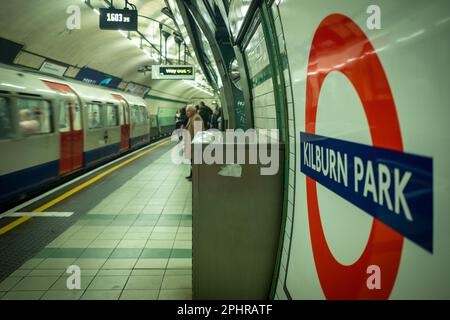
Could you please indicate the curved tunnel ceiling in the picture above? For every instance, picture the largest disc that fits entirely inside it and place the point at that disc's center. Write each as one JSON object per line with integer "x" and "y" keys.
{"x": 40, "y": 25}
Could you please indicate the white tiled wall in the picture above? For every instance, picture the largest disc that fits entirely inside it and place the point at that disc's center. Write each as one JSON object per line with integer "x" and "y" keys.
{"x": 280, "y": 294}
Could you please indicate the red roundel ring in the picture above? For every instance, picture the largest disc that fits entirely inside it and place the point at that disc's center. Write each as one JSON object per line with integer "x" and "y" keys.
{"x": 340, "y": 45}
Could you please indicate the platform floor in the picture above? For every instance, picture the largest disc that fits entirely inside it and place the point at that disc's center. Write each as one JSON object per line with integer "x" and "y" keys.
{"x": 135, "y": 243}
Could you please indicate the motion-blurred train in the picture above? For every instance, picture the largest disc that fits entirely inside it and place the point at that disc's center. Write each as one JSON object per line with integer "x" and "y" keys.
{"x": 53, "y": 127}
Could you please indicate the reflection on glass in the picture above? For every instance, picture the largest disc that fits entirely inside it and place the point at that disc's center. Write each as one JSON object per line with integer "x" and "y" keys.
{"x": 235, "y": 74}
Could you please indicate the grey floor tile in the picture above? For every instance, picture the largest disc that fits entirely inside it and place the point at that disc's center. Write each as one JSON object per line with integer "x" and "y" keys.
{"x": 87, "y": 263}
{"x": 101, "y": 295}
{"x": 108, "y": 283}
{"x": 9, "y": 283}
{"x": 175, "y": 263}
{"x": 139, "y": 295}
{"x": 148, "y": 272}
{"x": 62, "y": 285}
{"x": 114, "y": 272}
{"x": 35, "y": 283}
{"x": 32, "y": 263}
{"x": 62, "y": 295}
{"x": 46, "y": 272}
{"x": 177, "y": 282}
{"x": 175, "y": 294}
{"x": 144, "y": 283}
{"x": 151, "y": 264}
{"x": 119, "y": 264}
{"x": 20, "y": 273}
{"x": 178, "y": 272}
{"x": 56, "y": 263}
{"x": 23, "y": 295}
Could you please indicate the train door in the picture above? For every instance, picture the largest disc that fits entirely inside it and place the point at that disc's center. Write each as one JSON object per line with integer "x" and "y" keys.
{"x": 124, "y": 123}
{"x": 70, "y": 128}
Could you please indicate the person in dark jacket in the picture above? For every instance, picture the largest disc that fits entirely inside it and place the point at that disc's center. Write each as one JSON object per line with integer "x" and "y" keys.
{"x": 206, "y": 114}
{"x": 215, "y": 119}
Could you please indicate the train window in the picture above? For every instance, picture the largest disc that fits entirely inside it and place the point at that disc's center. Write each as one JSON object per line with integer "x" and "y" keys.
{"x": 136, "y": 115}
{"x": 64, "y": 117}
{"x": 127, "y": 117}
{"x": 144, "y": 115}
{"x": 6, "y": 126}
{"x": 112, "y": 115}
{"x": 77, "y": 125}
{"x": 121, "y": 114}
{"x": 34, "y": 116}
{"x": 94, "y": 113}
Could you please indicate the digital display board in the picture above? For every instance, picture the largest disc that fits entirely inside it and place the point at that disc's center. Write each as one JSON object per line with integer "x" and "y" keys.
{"x": 115, "y": 19}
{"x": 173, "y": 72}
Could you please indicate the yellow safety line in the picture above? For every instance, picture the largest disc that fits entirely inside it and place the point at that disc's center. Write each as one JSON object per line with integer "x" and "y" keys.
{"x": 44, "y": 207}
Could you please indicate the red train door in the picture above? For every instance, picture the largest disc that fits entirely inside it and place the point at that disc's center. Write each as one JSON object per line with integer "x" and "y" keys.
{"x": 124, "y": 123}
{"x": 70, "y": 129}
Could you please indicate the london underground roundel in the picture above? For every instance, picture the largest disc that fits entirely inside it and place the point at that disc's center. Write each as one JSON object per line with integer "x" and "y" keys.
{"x": 340, "y": 45}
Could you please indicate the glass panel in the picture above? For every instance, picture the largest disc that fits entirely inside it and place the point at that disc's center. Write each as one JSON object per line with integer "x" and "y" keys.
{"x": 261, "y": 84}
{"x": 144, "y": 115}
{"x": 136, "y": 115}
{"x": 77, "y": 125}
{"x": 237, "y": 13}
{"x": 34, "y": 116}
{"x": 127, "y": 117}
{"x": 6, "y": 124}
{"x": 94, "y": 116}
{"x": 64, "y": 118}
{"x": 121, "y": 114}
{"x": 235, "y": 74}
{"x": 112, "y": 116}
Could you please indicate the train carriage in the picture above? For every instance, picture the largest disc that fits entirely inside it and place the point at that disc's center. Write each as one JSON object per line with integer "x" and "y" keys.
{"x": 78, "y": 126}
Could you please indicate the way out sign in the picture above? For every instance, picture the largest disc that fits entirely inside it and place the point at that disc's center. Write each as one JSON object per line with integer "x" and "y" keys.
{"x": 394, "y": 187}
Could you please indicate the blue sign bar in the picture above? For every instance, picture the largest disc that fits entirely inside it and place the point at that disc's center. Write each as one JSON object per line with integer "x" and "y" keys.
{"x": 95, "y": 77}
{"x": 395, "y": 188}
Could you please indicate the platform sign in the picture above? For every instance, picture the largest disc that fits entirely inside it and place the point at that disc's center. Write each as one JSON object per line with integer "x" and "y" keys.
{"x": 118, "y": 19}
{"x": 52, "y": 68}
{"x": 137, "y": 89}
{"x": 99, "y": 78}
{"x": 164, "y": 72}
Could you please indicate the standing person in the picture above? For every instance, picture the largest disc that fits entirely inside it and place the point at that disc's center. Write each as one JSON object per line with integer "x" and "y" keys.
{"x": 220, "y": 120}
{"x": 178, "y": 119}
{"x": 215, "y": 119}
{"x": 183, "y": 117}
{"x": 205, "y": 113}
{"x": 194, "y": 117}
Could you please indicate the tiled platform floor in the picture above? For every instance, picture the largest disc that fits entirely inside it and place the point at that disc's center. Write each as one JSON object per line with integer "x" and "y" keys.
{"x": 135, "y": 244}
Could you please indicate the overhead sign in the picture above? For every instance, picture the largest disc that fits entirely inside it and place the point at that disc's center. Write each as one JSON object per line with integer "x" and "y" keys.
{"x": 52, "y": 68}
{"x": 173, "y": 72}
{"x": 91, "y": 76}
{"x": 118, "y": 19}
{"x": 137, "y": 89}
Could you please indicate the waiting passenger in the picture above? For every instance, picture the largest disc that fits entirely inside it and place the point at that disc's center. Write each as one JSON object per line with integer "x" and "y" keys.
{"x": 205, "y": 113}
{"x": 194, "y": 117}
{"x": 216, "y": 117}
{"x": 28, "y": 125}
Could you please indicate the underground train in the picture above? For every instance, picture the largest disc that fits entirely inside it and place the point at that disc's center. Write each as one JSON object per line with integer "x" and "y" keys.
{"x": 78, "y": 125}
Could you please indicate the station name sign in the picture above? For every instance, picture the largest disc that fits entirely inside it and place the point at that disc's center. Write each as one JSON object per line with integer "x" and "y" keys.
{"x": 393, "y": 187}
{"x": 118, "y": 19}
{"x": 173, "y": 72}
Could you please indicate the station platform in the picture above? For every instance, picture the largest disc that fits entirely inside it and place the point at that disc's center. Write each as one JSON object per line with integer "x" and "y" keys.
{"x": 127, "y": 226}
